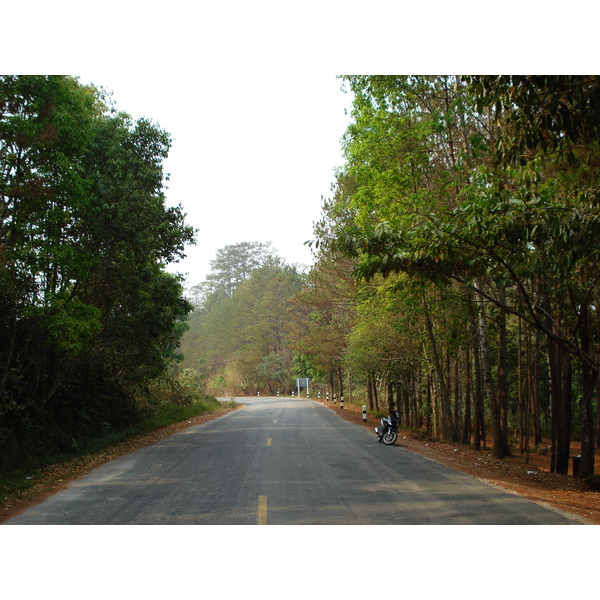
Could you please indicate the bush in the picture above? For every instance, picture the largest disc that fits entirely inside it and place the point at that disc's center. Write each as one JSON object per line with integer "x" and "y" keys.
{"x": 593, "y": 482}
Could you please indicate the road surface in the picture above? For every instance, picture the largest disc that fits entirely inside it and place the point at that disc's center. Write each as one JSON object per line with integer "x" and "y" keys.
{"x": 281, "y": 461}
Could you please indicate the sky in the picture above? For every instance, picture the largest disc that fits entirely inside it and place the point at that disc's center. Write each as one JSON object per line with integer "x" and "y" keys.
{"x": 248, "y": 91}
{"x": 252, "y": 154}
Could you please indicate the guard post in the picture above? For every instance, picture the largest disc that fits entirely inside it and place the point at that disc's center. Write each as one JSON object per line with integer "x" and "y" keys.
{"x": 364, "y": 413}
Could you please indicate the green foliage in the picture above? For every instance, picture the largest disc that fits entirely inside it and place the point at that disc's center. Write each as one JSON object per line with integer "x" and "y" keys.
{"x": 241, "y": 338}
{"x": 89, "y": 316}
{"x": 233, "y": 264}
{"x": 476, "y": 198}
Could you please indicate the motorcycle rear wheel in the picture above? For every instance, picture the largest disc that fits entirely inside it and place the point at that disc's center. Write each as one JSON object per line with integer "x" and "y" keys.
{"x": 390, "y": 437}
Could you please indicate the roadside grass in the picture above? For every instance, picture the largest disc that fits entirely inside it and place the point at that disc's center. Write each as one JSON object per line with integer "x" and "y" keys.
{"x": 17, "y": 480}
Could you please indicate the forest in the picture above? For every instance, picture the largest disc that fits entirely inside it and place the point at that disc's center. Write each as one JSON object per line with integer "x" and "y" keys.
{"x": 455, "y": 275}
{"x": 89, "y": 320}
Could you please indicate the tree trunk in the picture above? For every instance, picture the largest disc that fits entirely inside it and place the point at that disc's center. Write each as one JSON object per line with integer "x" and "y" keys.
{"x": 340, "y": 382}
{"x": 560, "y": 406}
{"x": 555, "y": 403}
{"x": 528, "y": 394}
{"x": 390, "y": 395}
{"x": 598, "y": 412}
{"x": 370, "y": 402}
{"x": 446, "y": 409}
{"x": 456, "y": 427}
{"x": 521, "y": 389}
{"x": 374, "y": 389}
{"x": 497, "y": 433}
{"x": 429, "y": 411}
{"x": 589, "y": 378}
{"x": 466, "y": 432}
{"x": 503, "y": 381}
{"x": 535, "y": 390}
{"x": 564, "y": 426}
{"x": 479, "y": 433}
{"x": 417, "y": 402}
{"x": 402, "y": 401}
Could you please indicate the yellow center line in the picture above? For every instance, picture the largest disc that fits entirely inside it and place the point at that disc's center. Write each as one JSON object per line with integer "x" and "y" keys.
{"x": 269, "y": 441}
{"x": 275, "y": 421}
{"x": 262, "y": 510}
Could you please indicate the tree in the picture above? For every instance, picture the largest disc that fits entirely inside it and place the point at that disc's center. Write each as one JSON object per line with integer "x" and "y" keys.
{"x": 323, "y": 316}
{"x": 511, "y": 210}
{"x": 90, "y": 315}
{"x": 233, "y": 264}
{"x": 242, "y": 338}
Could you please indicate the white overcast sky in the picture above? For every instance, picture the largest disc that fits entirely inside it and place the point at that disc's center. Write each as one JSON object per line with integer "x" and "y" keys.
{"x": 252, "y": 153}
{"x": 248, "y": 91}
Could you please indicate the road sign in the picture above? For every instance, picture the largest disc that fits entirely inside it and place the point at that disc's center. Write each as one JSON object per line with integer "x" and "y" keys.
{"x": 303, "y": 382}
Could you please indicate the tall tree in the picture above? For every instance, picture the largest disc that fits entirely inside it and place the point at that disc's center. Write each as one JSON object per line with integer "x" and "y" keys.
{"x": 90, "y": 315}
{"x": 234, "y": 263}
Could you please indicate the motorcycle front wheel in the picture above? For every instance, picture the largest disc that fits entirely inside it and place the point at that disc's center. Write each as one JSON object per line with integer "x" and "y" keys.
{"x": 390, "y": 437}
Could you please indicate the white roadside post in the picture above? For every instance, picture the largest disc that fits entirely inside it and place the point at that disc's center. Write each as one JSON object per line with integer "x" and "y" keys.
{"x": 364, "y": 413}
{"x": 342, "y": 402}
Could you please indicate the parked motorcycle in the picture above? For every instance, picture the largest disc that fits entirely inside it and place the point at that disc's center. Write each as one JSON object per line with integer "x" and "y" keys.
{"x": 387, "y": 432}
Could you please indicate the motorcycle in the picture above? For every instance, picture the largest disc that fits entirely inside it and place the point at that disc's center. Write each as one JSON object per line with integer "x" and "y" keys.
{"x": 387, "y": 432}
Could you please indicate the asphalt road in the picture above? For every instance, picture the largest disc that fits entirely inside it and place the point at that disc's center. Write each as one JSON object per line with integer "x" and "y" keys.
{"x": 280, "y": 461}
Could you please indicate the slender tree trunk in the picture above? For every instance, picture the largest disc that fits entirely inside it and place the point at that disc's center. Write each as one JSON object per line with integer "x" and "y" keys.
{"x": 446, "y": 412}
{"x": 488, "y": 382}
{"x": 521, "y": 391}
{"x": 560, "y": 406}
{"x": 466, "y": 432}
{"x": 479, "y": 433}
{"x": 331, "y": 385}
{"x": 402, "y": 399}
{"x": 340, "y": 382}
{"x": 503, "y": 381}
{"x": 529, "y": 393}
{"x": 428, "y": 423}
{"x": 390, "y": 395}
{"x": 375, "y": 393}
{"x": 417, "y": 402}
{"x": 589, "y": 378}
{"x": 535, "y": 389}
{"x": 370, "y": 392}
{"x": 9, "y": 344}
{"x": 564, "y": 426}
{"x": 555, "y": 403}
{"x": 457, "y": 428}
{"x": 598, "y": 412}
{"x": 349, "y": 385}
